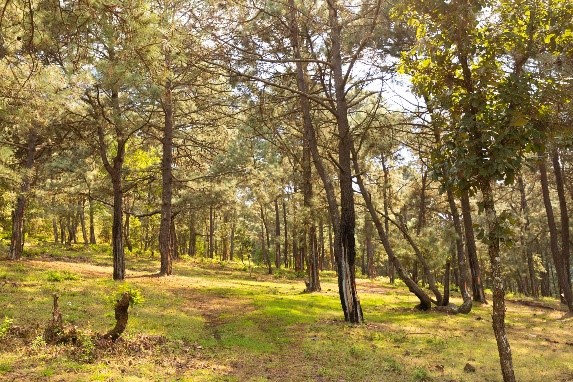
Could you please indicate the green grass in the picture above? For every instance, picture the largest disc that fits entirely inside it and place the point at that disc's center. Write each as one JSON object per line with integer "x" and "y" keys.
{"x": 212, "y": 321}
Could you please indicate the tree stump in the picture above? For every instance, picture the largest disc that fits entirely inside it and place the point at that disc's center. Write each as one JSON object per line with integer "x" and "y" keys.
{"x": 55, "y": 328}
{"x": 121, "y": 316}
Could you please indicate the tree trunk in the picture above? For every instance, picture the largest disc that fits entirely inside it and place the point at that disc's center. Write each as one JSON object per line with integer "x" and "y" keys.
{"x": 92, "y": 225}
{"x": 265, "y": 242}
{"x": 55, "y": 230}
{"x": 173, "y": 239}
{"x": 343, "y": 227}
{"x": 117, "y": 229}
{"x": 370, "y": 265}
{"x": 277, "y": 236}
{"x": 17, "y": 238}
{"x": 562, "y": 279}
{"x": 285, "y": 246}
{"x": 211, "y": 232}
{"x": 127, "y": 232}
{"x": 386, "y": 206}
{"x": 446, "y": 298}
{"x": 346, "y": 240}
{"x": 82, "y": 218}
{"x": 232, "y": 245}
{"x": 477, "y": 284}
{"x": 498, "y": 317}
{"x": 165, "y": 244}
{"x": 464, "y": 279}
{"x": 565, "y": 236}
{"x": 191, "y": 251}
{"x": 121, "y": 317}
{"x": 525, "y": 245}
{"x": 425, "y": 301}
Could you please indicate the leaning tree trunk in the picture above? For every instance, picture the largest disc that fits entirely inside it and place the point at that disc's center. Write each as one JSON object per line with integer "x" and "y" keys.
{"x": 165, "y": 247}
{"x": 477, "y": 284}
{"x": 562, "y": 279}
{"x": 498, "y": 317}
{"x": 17, "y": 238}
{"x": 464, "y": 279}
{"x": 425, "y": 301}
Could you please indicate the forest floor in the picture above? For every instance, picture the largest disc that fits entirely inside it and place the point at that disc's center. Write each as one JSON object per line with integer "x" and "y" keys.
{"x": 220, "y": 321}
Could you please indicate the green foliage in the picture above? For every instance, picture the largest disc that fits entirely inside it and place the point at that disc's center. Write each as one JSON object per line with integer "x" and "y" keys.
{"x": 5, "y": 326}
{"x": 57, "y": 276}
{"x": 86, "y": 348}
{"x": 135, "y": 295}
{"x": 420, "y": 374}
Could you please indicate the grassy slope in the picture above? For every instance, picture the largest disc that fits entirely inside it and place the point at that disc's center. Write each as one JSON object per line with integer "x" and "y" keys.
{"x": 216, "y": 322}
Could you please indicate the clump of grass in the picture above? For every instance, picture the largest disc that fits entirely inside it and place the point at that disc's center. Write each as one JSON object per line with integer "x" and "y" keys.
{"x": 58, "y": 276}
{"x": 5, "y": 326}
{"x": 421, "y": 375}
{"x": 390, "y": 364}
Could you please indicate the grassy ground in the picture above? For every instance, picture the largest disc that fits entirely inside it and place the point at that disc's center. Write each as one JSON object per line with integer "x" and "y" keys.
{"x": 218, "y": 322}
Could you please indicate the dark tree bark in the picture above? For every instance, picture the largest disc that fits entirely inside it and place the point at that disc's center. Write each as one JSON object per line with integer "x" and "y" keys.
{"x": 82, "y": 219}
{"x": 211, "y": 231}
{"x": 475, "y": 269}
{"x": 115, "y": 169}
{"x": 370, "y": 264}
{"x": 386, "y": 207}
{"x": 525, "y": 245}
{"x": 55, "y": 230}
{"x": 277, "y": 235}
{"x": 62, "y": 231}
{"x": 464, "y": 279}
{"x": 285, "y": 224}
{"x": 117, "y": 228}
{"x": 446, "y": 298}
{"x": 121, "y": 317}
{"x": 343, "y": 221}
{"x": 191, "y": 251}
{"x": 265, "y": 241}
{"x": 562, "y": 279}
{"x": 165, "y": 244}
{"x": 232, "y": 239}
{"x": 346, "y": 239}
{"x": 92, "y": 224}
{"x": 425, "y": 301}
{"x": 17, "y": 237}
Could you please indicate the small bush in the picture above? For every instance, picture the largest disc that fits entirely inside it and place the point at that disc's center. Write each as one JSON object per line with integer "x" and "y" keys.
{"x": 5, "y": 326}
{"x": 135, "y": 295}
{"x": 421, "y": 375}
{"x": 57, "y": 276}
